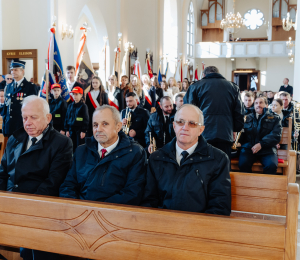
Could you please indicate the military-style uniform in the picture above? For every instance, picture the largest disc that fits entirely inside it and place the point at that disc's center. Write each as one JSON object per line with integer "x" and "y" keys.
{"x": 12, "y": 116}
{"x": 58, "y": 109}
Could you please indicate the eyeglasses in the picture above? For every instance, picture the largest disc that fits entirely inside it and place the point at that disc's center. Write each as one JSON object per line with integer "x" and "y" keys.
{"x": 191, "y": 124}
{"x": 9, "y": 78}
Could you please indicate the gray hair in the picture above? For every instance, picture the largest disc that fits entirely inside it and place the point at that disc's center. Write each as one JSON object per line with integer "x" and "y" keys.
{"x": 210, "y": 69}
{"x": 116, "y": 114}
{"x": 33, "y": 98}
{"x": 200, "y": 113}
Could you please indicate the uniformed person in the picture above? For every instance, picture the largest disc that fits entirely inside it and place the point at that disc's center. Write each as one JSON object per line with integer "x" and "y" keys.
{"x": 14, "y": 94}
{"x": 262, "y": 132}
{"x": 139, "y": 119}
{"x": 77, "y": 119}
{"x": 58, "y": 108}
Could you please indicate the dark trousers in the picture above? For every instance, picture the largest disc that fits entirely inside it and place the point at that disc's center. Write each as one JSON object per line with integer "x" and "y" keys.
{"x": 30, "y": 254}
{"x": 75, "y": 136}
{"x": 247, "y": 158}
{"x": 223, "y": 146}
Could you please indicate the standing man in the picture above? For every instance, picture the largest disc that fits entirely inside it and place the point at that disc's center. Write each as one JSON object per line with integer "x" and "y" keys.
{"x": 160, "y": 124}
{"x": 15, "y": 92}
{"x": 71, "y": 83}
{"x": 139, "y": 119}
{"x": 286, "y": 87}
{"x": 222, "y": 107}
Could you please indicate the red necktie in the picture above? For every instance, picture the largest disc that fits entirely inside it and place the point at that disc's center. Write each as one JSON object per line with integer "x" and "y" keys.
{"x": 103, "y": 153}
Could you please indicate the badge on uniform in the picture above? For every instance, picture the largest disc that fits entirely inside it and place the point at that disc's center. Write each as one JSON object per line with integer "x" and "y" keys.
{"x": 57, "y": 115}
{"x": 79, "y": 119}
{"x": 18, "y": 96}
{"x": 21, "y": 94}
{"x": 270, "y": 117}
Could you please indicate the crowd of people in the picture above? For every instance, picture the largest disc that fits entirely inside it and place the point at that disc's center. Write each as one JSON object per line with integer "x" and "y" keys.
{"x": 162, "y": 145}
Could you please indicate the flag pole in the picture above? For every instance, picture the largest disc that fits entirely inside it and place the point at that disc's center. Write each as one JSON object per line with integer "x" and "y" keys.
{"x": 119, "y": 54}
{"x": 105, "y": 40}
{"x": 47, "y": 81}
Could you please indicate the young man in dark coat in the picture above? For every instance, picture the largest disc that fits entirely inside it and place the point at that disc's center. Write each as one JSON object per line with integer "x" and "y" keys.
{"x": 286, "y": 87}
{"x": 138, "y": 119}
{"x": 36, "y": 159}
{"x": 14, "y": 94}
{"x": 58, "y": 108}
{"x": 262, "y": 132}
{"x": 188, "y": 173}
{"x": 160, "y": 124}
{"x": 109, "y": 167}
{"x": 222, "y": 107}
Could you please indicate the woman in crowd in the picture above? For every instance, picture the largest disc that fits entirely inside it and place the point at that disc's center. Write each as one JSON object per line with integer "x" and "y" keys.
{"x": 115, "y": 94}
{"x": 150, "y": 94}
{"x": 179, "y": 86}
{"x": 137, "y": 89}
{"x": 95, "y": 98}
{"x": 159, "y": 91}
{"x": 173, "y": 86}
{"x": 185, "y": 85}
{"x": 166, "y": 90}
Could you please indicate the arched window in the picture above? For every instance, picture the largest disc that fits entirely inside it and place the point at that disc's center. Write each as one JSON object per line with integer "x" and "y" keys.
{"x": 190, "y": 31}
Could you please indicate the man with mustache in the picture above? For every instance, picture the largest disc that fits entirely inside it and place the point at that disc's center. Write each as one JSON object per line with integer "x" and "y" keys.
{"x": 262, "y": 132}
{"x": 160, "y": 124}
{"x": 188, "y": 173}
{"x": 109, "y": 167}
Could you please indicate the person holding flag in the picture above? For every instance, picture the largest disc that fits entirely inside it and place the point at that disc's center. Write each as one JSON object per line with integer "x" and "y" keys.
{"x": 115, "y": 94}
{"x": 150, "y": 94}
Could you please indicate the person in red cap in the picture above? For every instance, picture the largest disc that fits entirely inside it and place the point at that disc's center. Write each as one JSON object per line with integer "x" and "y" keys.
{"x": 58, "y": 108}
{"x": 77, "y": 118}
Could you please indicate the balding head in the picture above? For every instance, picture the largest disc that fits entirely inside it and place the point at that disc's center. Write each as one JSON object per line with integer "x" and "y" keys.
{"x": 36, "y": 115}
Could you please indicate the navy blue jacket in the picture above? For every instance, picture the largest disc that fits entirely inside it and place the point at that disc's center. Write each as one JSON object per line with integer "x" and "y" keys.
{"x": 221, "y": 104}
{"x": 288, "y": 89}
{"x": 39, "y": 170}
{"x": 77, "y": 117}
{"x": 12, "y": 116}
{"x": 267, "y": 131}
{"x": 58, "y": 109}
{"x": 249, "y": 110}
{"x": 152, "y": 94}
{"x": 117, "y": 178}
{"x": 201, "y": 184}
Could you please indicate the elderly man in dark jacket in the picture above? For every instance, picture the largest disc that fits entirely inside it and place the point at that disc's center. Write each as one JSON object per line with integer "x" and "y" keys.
{"x": 262, "y": 132}
{"x": 188, "y": 173}
{"x": 109, "y": 167}
{"x": 36, "y": 159}
{"x": 160, "y": 124}
{"x": 222, "y": 107}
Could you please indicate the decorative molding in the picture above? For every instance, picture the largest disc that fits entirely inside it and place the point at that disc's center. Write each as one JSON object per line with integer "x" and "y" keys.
{"x": 241, "y": 49}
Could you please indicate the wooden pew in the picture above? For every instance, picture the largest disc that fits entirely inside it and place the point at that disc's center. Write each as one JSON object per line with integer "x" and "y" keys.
{"x": 288, "y": 167}
{"x": 109, "y": 231}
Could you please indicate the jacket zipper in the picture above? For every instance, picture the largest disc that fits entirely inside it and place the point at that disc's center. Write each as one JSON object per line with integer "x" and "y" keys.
{"x": 103, "y": 177}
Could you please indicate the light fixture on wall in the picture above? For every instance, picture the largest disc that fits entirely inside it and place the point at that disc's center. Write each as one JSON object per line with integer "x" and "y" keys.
{"x": 290, "y": 44}
{"x": 233, "y": 22}
{"x": 287, "y": 24}
{"x": 291, "y": 56}
{"x": 67, "y": 32}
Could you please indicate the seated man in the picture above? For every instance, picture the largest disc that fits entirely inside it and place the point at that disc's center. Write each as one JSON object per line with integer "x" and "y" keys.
{"x": 248, "y": 103}
{"x": 179, "y": 100}
{"x": 287, "y": 104}
{"x": 160, "y": 124}
{"x": 262, "y": 132}
{"x": 139, "y": 119}
{"x": 188, "y": 173}
{"x": 36, "y": 159}
{"x": 109, "y": 167}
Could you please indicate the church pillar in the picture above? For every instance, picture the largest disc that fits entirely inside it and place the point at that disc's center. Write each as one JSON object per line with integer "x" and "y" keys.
{"x": 297, "y": 60}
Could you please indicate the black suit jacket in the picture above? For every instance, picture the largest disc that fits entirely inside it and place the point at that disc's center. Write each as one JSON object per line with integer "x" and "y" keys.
{"x": 39, "y": 170}
{"x": 288, "y": 89}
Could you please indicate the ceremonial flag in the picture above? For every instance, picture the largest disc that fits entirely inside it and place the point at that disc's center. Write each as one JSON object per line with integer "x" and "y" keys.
{"x": 196, "y": 74}
{"x": 149, "y": 69}
{"x": 125, "y": 64}
{"x": 84, "y": 67}
{"x": 167, "y": 70}
{"x": 159, "y": 78}
{"x": 55, "y": 69}
{"x": 185, "y": 71}
{"x": 137, "y": 69}
{"x": 178, "y": 72}
{"x": 146, "y": 68}
{"x": 202, "y": 69}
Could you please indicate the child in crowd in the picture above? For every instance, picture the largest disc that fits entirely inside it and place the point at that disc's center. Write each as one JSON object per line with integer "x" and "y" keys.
{"x": 77, "y": 118}
{"x": 58, "y": 108}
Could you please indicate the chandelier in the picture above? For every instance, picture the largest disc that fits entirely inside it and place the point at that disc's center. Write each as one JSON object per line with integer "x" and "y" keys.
{"x": 233, "y": 22}
{"x": 287, "y": 24}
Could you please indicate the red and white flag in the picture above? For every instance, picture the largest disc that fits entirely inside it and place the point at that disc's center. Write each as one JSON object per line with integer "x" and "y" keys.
{"x": 149, "y": 69}
{"x": 202, "y": 69}
{"x": 196, "y": 74}
{"x": 137, "y": 69}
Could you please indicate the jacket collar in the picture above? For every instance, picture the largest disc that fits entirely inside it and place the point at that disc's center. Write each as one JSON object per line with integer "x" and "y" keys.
{"x": 124, "y": 142}
{"x": 213, "y": 75}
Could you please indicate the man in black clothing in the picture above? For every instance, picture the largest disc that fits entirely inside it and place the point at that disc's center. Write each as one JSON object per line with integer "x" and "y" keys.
{"x": 248, "y": 102}
{"x": 286, "y": 87}
{"x": 160, "y": 124}
{"x": 270, "y": 95}
{"x": 222, "y": 107}
{"x": 262, "y": 132}
{"x": 287, "y": 104}
{"x": 139, "y": 119}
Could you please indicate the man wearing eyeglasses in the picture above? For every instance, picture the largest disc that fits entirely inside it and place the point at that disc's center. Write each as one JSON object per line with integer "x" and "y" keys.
{"x": 8, "y": 79}
{"x": 189, "y": 174}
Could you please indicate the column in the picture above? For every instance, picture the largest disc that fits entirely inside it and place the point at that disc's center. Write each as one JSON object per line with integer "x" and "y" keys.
{"x": 297, "y": 60}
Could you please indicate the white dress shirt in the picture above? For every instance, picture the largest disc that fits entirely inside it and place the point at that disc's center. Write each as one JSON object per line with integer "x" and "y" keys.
{"x": 179, "y": 151}
{"x": 108, "y": 149}
{"x": 70, "y": 85}
{"x": 19, "y": 82}
{"x": 29, "y": 144}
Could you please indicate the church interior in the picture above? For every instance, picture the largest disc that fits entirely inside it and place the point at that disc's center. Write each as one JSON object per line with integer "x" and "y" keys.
{"x": 252, "y": 43}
